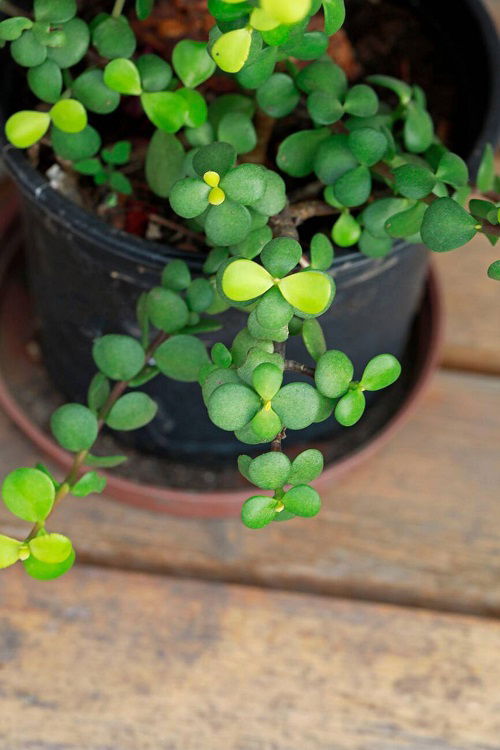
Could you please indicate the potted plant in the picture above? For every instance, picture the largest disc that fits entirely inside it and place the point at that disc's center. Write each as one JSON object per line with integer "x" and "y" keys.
{"x": 254, "y": 135}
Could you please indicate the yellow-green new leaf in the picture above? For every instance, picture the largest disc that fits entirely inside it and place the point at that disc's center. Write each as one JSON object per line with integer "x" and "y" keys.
{"x": 231, "y": 50}
{"x": 308, "y": 291}
{"x": 9, "y": 551}
{"x": 244, "y": 280}
{"x": 51, "y": 548}
{"x": 26, "y": 128}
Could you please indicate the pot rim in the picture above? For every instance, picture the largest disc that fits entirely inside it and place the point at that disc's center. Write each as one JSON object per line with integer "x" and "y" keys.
{"x": 89, "y": 226}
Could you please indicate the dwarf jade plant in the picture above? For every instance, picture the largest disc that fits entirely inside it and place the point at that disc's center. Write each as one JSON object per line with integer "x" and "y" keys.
{"x": 366, "y": 158}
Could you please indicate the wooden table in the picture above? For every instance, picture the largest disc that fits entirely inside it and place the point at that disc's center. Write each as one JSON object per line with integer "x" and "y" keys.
{"x": 372, "y": 627}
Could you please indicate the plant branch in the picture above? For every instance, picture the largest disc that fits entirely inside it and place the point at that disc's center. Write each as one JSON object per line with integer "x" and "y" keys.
{"x": 487, "y": 228}
{"x": 118, "y": 8}
{"x": 292, "y": 366}
{"x": 276, "y": 444}
{"x": 305, "y": 210}
{"x": 264, "y": 125}
{"x": 80, "y": 458}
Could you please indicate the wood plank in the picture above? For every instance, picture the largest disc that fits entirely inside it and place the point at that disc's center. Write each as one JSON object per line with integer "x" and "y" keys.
{"x": 472, "y": 307}
{"x": 419, "y": 524}
{"x": 120, "y": 661}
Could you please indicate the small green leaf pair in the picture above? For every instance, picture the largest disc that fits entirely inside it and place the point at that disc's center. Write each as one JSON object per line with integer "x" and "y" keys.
{"x": 274, "y": 470}
{"x": 25, "y": 128}
{"x": 259, "y": 511}
{"x": 45, "y": 557}
{"x": 220, "y": 196}
{"x": 104, "y": 174}
{"x": 334, "y": 379}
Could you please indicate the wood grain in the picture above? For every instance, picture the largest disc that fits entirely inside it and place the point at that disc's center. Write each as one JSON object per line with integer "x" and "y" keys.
{"x": 419, "y": 524}
{"x": 113, "y": 661}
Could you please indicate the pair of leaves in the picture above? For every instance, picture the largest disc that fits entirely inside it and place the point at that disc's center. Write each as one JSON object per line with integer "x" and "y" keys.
{"x": 25, "y": 128}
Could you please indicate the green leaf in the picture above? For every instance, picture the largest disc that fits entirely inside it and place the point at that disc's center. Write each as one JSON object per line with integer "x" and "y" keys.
{"x": 255, "y": 357}
{"x": 253, "y": 244}
{"x": 143, "y": 8}
{"x": 361, "y": 101}
{"x": 118, "y": 154}
{"x": 281, "y": 255}
{"x": 155, "y": 72}
{"x": 92, "y": 167}
{"x": 221, "y": 356}
{"x": 309, "y": 292}
{"x": 303, "y": 501}
{"x": 28, "y": 51}
{"x": 104, "y": 462}
{"x": 407, "y": 223}
{"x": 242, "y": 344}
{"x": 189, "y": 197}
{"x": 228, "y": 10}
{"x": 76, "y": 146}
{"x": 323, "y": 108}
{"x": 256, "y": 73}
{"x": 69, "y": 116}
{"x": 334, "y": 15}
{"x": 267, "y": 380}
{"x": 238, "y": 130}
{"x": 418, "y": 129}
{"x": 266, "y": 425}
{"x": 91, "y": 483}
{"x": 314, "y": 338}
{"x": 9, "y": 551}
{"x": 334, "y": 373}
{"x": 494, "y": 270}
{"x": 12, "y": 28}
{"x": 76, "y": 43}
{"x": 118, "y": 357}
{"x": 334, "y": 159}
{"x": 122, "y": 75}
{"x": 274, "y": 199}
{"x": 231, "y": 50}
{"x": 227, "y": 224}
{"x": 278, "y": 96}
{"x": 167, "y": 310}
{"x": 324, "y": 76}
{"x": 245, "y": 184}
{"x": 243, "y": 465}
{"x": 200, "y": 295}
{"x": 131, "y": 412}
{"x": 346, "y": 230}
{"x": 375, "y": 215}
{"x": 453, "y": 170}
{"x": 232, "y": 406}
{"x": 120, "y": 183}
{"x": 25, "y": 128}
{"x": 197, "y": 111}
{"x": 51, "y": 548}
{"x": 54, "y": 11}
{"x": 181, "y": 358}
{"x": 354, "y": 187}
{"x": 98, "y": 392}
{"x": 394, "y": 84}
{"x": 47, "y": 571}
{"x": 166, "y": 110}
{"x": 216, "y": 378}
{"x": 273, "y": 311}
{"x": 46, "y": 81}
{"x": 217, "y": 157}
{"x": 486, "y": 172}
{"x": 176, "y": 275}
{"x": 414, "y": 181}
{"x": 381, "y": 372}
{"x": 260, "y": 332}
{"x": 297, "y": 405}
{"x": 321, "y": 252}
{"x": 270, "y": 470}
{"x": 258, "y": 511}
{"x": 350, "y": 408}
{"x": 296, "y": 154}
{"x": 446, "y": 226}
{"x": 28, "y": 494}
{"x": 374, "y": 247}
{"x": 75, "y": 427}
{"x": 192, "y": 63}
{"x": 114, "y": 38}
{"x": 368, "y": 145}
{"x": 306, "y": 467}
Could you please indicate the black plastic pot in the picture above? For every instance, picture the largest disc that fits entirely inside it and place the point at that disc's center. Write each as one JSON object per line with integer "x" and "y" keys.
{"x": 85, "y": 276}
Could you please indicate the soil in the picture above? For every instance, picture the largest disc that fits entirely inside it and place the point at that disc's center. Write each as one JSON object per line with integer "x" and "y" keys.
{"x": 380, "y": 36}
